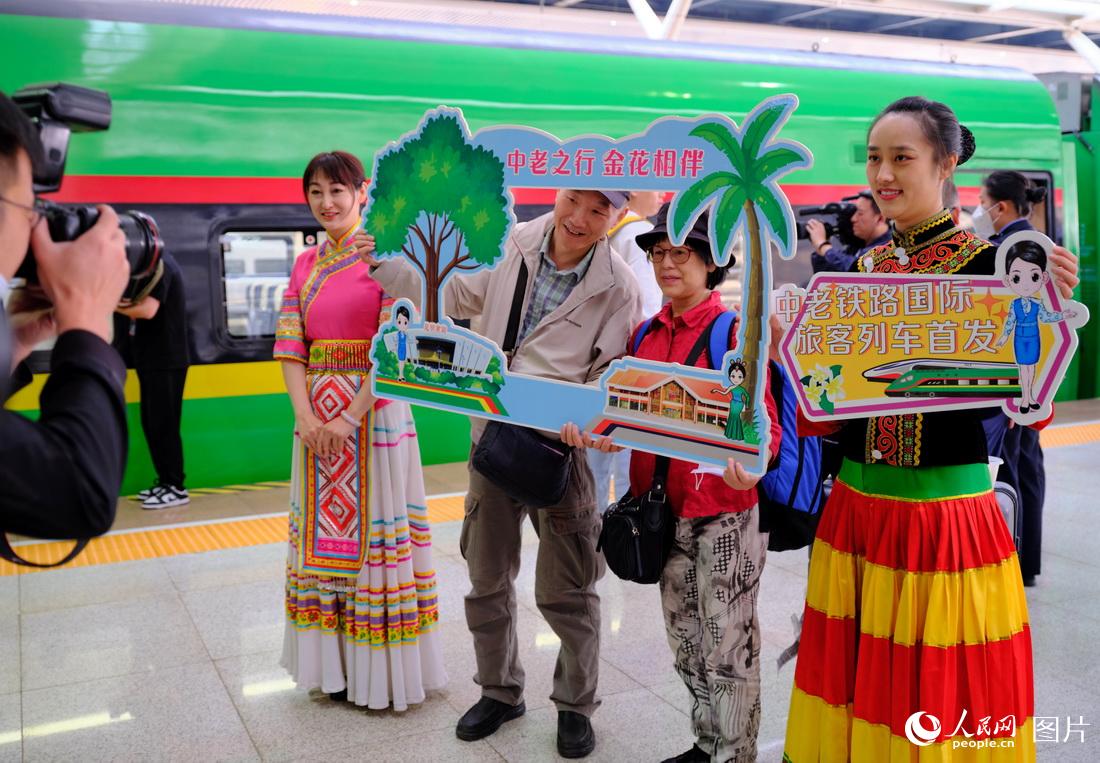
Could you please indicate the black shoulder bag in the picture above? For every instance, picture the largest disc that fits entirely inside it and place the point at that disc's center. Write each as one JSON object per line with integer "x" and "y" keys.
{"x": 530, "y": 468}
{"x": 637, "y": 532}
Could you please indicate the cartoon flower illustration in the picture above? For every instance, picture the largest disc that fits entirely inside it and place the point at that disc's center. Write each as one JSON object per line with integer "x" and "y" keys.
{"x": 834, "y": 388}
{"x": 824, "y": 387}
{"x": 814, "y": 392}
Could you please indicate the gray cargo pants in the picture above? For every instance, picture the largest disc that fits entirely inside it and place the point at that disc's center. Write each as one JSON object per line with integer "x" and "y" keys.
{"x": 566, "y": 572}
{"x": 708, "y": 592}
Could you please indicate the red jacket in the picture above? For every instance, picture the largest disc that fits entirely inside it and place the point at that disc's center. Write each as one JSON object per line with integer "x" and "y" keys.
{"x": 670, "y": 340}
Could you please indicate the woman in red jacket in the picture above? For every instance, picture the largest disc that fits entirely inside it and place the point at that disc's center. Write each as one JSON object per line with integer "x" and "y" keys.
{"x": 709, "y": 585}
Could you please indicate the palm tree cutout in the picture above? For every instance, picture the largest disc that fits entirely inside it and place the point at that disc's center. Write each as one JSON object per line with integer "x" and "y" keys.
{"x": 747, "y": 200}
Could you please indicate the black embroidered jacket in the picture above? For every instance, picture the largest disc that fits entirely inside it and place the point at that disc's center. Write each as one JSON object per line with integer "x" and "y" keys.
{"x": 935, "y": 246}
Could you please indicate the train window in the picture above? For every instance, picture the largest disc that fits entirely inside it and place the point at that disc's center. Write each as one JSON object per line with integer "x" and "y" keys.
{"x": 256, "y": 267}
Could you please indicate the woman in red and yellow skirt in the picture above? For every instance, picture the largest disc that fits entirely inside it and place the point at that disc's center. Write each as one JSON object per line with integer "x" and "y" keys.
{"x": 915, "y": 640}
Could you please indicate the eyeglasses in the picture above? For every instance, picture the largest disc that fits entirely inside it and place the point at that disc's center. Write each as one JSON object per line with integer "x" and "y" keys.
{"x": 679, "y": 254}
{"x": 34, "y": 213}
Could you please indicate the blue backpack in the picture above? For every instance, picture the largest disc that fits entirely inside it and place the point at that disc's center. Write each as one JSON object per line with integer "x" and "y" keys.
{"x": 792, "y": 491}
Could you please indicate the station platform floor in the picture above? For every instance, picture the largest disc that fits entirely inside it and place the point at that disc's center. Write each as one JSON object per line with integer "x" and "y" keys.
{"x": 164, "y": 642}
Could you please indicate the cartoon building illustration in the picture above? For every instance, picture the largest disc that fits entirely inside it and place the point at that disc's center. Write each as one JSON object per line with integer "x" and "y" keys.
{"x": 638, "y": 394}
{"x": 444, "y": 352}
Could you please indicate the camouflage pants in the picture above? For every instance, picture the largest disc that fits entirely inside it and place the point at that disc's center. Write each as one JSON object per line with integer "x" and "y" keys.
{"x": 708, "y": 594}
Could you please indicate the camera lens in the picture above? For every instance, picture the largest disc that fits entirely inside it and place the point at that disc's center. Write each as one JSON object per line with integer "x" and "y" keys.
{"x": 67, "y": 222}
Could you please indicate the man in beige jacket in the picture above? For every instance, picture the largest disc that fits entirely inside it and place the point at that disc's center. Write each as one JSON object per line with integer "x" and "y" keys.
{"x": 580, "y": 305}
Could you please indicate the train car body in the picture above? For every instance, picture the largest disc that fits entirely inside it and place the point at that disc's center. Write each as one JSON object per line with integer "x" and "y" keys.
{"x": 992, "y": 382}
{"x": 216, "y": 112}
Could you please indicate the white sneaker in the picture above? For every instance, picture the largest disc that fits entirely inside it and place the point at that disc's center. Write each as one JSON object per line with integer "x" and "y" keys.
{"x": 147, "y": 493}
{"x": 165, "y": 497}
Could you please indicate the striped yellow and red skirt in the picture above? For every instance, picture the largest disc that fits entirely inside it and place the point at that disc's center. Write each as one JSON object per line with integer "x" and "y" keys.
{"x": 915, "y": 641}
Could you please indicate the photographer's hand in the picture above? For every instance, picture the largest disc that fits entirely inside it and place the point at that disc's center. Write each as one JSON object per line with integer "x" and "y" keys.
{"x": 815, "y": 229}
{"x": 32, "y": 322}
{"x": 84, "y": 278}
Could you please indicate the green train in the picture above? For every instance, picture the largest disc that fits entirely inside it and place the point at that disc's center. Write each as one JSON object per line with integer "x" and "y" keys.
{"x": 1001, "y": 380}
{"x": 216, "y": 112}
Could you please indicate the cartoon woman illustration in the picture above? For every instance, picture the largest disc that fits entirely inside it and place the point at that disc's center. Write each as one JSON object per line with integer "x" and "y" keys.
{"x": 401, "y": 318}
{"x": 1025, "y": 275}
{"x": 739, "y": 398}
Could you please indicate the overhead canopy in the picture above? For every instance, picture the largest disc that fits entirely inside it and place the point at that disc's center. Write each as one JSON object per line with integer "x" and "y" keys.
{"x": 1033, "y": 23}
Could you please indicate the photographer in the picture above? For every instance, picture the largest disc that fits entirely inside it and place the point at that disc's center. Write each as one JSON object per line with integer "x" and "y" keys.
{"x": 61, "y": 475}
{"x": 151, "y": 335}
{"x": 868, "y": 225}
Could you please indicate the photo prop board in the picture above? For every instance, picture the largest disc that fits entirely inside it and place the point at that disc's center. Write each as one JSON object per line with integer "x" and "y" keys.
{"x": 439, "y": 199}
{"x": 862, "y": 344}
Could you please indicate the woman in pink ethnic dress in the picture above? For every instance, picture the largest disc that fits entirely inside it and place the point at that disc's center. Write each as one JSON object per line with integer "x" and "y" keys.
{"x": 361, "y": 600}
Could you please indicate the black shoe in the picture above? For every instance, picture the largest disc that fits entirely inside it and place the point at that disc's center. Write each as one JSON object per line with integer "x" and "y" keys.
{"x": 694, "y": 755}
{"x": 485, "y": 717}
{"x": 1034, "y": 406}
{"x": 575, "y": 735}
{"x": 1029, "y": 581}
{"x": 1023, "y": 409}
{"x": 338, "y": 696}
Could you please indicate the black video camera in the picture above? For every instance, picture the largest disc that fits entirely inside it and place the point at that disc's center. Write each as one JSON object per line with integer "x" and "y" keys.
{"x": 58, "y": 110}
{"x": 837, "y": 218}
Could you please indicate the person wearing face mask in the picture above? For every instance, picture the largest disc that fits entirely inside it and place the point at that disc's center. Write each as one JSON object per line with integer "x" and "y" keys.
{"x": 60, "y": 474}
{"x": 914, "y": 600}
{"x": 1005, "y": 205}
{"x": 1006, "y": 201}
{"x": 361, "y": 600}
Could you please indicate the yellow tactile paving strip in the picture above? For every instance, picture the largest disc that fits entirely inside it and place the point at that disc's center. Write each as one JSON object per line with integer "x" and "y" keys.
{"x": 1073, "y": 434}
{"x": 170, "y": 541}
{"x": 236, "y": 533}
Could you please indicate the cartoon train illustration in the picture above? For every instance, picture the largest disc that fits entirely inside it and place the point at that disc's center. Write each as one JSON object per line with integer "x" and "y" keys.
{"x": 940, "y": 378}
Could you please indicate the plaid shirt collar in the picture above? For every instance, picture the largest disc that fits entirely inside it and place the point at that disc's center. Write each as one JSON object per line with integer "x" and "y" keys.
{"x": 579, "y": 270}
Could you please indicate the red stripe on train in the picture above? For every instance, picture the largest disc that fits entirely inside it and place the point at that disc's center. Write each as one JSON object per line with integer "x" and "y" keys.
{"x": 140, "y": 189}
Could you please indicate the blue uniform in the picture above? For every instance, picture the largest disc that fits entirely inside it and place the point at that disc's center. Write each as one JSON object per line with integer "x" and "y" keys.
{"x": 1025, "y": 339}
{"x": 1023, "y": 468}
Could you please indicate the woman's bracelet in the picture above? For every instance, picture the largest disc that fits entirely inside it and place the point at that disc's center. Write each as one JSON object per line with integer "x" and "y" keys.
{"x": 350, "y": 419}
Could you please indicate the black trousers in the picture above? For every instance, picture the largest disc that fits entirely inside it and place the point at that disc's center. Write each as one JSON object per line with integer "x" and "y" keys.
{"x": 1023, "y": 469}
{"x": 161, "y": 410}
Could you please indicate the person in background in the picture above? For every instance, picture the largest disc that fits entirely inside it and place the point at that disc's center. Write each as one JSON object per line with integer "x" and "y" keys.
{"x": 361, "y": 623}
{"x": 152, "y": 335}
{"x": 951, "y": 200}
{"x": 914, "y": 600}
{"x": 868, "y": 224}
{"x": 710, "y": 582}
{"x": 640, "y": 206}
{"x": 1006, "y": 201}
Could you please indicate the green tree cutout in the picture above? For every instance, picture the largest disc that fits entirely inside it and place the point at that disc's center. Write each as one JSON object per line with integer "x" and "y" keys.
{"x": 744, "y": 197}
{"x": 439, "y": 201}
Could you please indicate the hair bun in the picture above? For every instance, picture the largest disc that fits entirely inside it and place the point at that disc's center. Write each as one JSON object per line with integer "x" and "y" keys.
{"x": 1035, "y": 194}
{"x": 966, "y": 144}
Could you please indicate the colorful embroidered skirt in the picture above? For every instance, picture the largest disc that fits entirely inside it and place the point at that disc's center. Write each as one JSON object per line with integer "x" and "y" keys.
{"x": 373, "y": 633}
{"x": 915, "y": 625}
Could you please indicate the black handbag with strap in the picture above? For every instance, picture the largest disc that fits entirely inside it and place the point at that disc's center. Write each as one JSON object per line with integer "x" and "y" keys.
{"x": 529, "y": 467}
{"x": 636, "y": 536}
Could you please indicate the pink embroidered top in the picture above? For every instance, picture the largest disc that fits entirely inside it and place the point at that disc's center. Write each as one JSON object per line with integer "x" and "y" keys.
{"x": 330, "y": 301}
